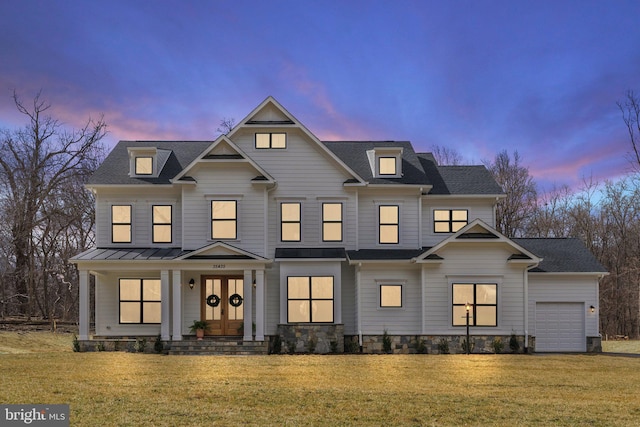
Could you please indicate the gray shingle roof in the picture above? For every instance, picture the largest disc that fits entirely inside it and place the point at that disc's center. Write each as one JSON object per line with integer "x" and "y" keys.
{"x": 354, "y": 155}
{"x": 562, "y": 255}
{"x": 385, "y": 254}
{"x": 301, "y": 253}
{"x": 458, "y": 179}
{"x": 115, "y": 168}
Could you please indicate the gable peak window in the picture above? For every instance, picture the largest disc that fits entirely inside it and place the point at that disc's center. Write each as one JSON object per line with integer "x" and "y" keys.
{"x": 276, "y": 140}
{"x": 449, "y": 220}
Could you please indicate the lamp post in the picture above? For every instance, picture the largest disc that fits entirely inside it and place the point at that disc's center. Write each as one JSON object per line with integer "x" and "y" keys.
{"x": 467, "y": 307}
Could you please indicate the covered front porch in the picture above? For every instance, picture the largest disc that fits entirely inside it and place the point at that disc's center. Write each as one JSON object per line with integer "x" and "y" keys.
{"x": 143, "y": 292}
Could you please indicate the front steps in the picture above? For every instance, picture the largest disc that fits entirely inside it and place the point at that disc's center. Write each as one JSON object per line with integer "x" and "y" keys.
{"x": 219, "y": 346}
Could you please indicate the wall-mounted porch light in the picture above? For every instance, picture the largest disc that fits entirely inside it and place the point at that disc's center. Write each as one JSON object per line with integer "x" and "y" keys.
{"x": 592, "y": 309}
{"x": 191, "y": 283}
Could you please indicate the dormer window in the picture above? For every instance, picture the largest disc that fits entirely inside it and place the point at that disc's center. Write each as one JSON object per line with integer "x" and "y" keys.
{"x": 144, "y": 165}
{"x": 386, "y": 162}
{"x": 146, "y": 162}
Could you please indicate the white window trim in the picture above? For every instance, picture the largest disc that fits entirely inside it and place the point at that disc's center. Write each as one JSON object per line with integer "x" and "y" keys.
{"x": 135, "y": 152}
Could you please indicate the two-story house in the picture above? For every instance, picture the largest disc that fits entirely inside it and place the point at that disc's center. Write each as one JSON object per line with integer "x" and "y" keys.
{"x": 269, "y": 232}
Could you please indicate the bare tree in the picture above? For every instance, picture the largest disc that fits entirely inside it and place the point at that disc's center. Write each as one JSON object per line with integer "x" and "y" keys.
{"x": 41, "y": 166}
{"x": 446, "y": 156}
{"x": 226, "y": 125}
{"x": 630, "y": 109}
{"x": 513, "y": 212}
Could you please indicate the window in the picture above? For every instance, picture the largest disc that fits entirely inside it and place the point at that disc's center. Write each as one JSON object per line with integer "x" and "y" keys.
{"x": 121, "y": 223}
{"x": 310, "y": 299}
{"x": 271, "y": 140}
{"x": 449, "y": 220}
{"x": 484, "y": 304}
{"x": 390, "y": 295}
{"x": 387, "y": 166}
{"x": 140, "y": 301}
{"x": 332, "y": 222}
{"x": 290, "y": 222}
{"x": 144, "y": 166}
{"x": 161, "y": 223}
{"x": 389, "y": 225}
{"x": 224, "y": 219}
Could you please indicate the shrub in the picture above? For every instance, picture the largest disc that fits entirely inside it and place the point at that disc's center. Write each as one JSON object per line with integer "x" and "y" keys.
{"x": 514, "y": 345}
{"x": 443, "y": 346}
{"x": 386, "y": 342}
{"x": 351, "y": 346}
{"x": 311, "y": 345}
{"x": 291, "y": 347}
{"x": 140, "y": 345}
{"x": 334, "y": 346}
{"x": 100, "y": 346}
{"x": 158, "y": 346}
{"x": 468, "y": 347}
{"x": 276, "y": 346}
{"x": 497, "y": 345}
{"x": 75, "y": 343}
{"x": 421, "y": 346}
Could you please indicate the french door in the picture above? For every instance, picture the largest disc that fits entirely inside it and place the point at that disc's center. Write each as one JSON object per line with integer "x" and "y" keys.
{"x": 222, "y": 304}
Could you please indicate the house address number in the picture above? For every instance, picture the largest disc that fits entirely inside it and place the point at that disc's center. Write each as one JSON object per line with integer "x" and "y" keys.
{"x": 219, "y": 266}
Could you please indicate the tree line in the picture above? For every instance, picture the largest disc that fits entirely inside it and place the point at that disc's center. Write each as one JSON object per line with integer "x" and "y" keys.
{"x": 47, "y": 216}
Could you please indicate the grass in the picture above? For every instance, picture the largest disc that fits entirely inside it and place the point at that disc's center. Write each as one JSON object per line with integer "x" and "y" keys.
{"x": 33, "y": 342}
{"x": 477, "y": 390}
{"x": 630, "y": 346}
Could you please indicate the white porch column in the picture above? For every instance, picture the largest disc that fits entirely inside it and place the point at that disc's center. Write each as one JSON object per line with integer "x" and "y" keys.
{"x": 84, "y": 302}
{"x": 165, "y": 306}
{"x": 260, "y": 303}
{"x": 247, "y": 304}
{"x": 177, "y": 306}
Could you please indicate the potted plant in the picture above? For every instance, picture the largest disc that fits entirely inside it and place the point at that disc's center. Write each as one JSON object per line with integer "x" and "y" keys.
{"x": 199, "y": 326}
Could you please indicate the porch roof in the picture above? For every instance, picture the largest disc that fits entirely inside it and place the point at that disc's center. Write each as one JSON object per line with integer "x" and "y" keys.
{"x": 138, "y": 254}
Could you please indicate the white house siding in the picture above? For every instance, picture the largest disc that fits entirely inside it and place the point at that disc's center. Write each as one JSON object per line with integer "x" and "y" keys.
{"x": 141, "y": 199}
{"x": 272, "y": 277}
{"x": 348, "y": 299}
{"x": 229, "y": 181}
{"x": 546, "y": 287}
{"x": 368, "y": 214}
{"x": 375, "y": 319}
{"x": 477, "y": 209}
{"x": 306, "y": 174}
{"x": 474, "y": 263}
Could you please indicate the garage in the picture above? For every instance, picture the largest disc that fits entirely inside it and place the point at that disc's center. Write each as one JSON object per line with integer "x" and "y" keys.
{"x": 560, "y": 327}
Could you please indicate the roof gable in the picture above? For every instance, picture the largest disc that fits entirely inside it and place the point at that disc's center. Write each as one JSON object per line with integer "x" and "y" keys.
{"x": 478, "y": 231}
{"x": 221, "y": 250}
{"x": 223, "y": 149}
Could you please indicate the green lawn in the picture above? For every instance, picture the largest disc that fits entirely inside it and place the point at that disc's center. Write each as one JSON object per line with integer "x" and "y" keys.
{"x": 476, "y": 390}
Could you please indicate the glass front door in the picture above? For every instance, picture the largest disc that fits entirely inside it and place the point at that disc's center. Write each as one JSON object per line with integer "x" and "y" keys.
{"x": 222, "y": 305}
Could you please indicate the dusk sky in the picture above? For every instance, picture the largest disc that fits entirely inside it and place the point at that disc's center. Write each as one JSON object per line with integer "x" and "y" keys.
{"x": 540, "y": 77}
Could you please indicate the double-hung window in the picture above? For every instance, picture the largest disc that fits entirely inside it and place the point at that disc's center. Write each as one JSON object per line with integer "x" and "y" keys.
{"x": 290, "y": 222}
{"x": 161, "y": 223}
{"x": 389, "y": 224}
{"x": 310, "y": 299}
{"x": 449, "y": 220}
{"x": 140, "y": 301}
{"x": 224, "y": 219}
{"x": 332, "y": 222}
{"x": 483, "y": 301}
{"x": 271, "y": 140}
{"x": 121, "y": 223}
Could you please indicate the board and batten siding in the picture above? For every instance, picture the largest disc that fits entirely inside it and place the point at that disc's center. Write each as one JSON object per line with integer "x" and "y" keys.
{"x": 474, "y": 263}
{"x": 476, "y": 209}
{"x": 224, "y": 181}
{"x": 395, "y": 320}
{"x": 547, "y": 287}
{"x": 141, "y": 199}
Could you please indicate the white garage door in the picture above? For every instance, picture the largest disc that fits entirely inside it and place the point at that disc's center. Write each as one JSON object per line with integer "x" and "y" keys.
{"x": 560, "y": 326}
